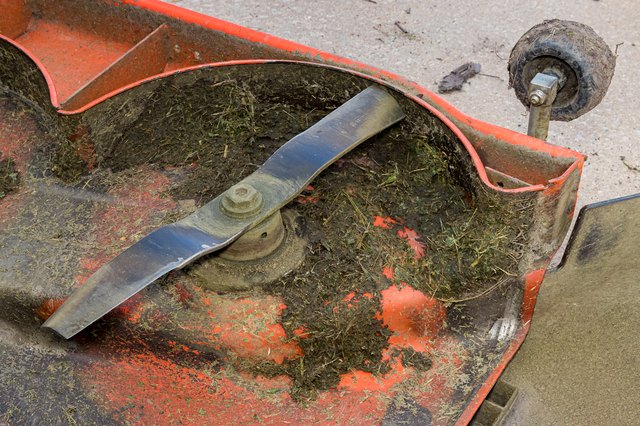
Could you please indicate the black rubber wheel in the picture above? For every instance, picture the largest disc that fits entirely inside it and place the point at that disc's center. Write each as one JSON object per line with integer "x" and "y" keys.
{"x": 576, "y": 50}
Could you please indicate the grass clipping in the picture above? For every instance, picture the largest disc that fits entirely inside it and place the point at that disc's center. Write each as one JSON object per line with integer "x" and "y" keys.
{"x": 207, "y": 131}
{"x": 9, "y": 176}
{"x": 470, "y": 240}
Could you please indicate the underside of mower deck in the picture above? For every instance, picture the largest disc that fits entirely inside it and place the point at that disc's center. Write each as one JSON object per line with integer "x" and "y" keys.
{"x": 395, "y": 286}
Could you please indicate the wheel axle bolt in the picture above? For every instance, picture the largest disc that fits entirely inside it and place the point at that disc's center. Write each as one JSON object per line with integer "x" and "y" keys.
{"x": 537, "y": 97}
{"x": 241, "y": 201}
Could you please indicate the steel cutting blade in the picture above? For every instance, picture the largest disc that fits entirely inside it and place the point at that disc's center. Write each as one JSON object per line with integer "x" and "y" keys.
{"x": 283, "y": 176}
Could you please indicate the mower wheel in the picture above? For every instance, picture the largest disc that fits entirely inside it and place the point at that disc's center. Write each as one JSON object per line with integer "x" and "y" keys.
{"x": 570, "y": 50}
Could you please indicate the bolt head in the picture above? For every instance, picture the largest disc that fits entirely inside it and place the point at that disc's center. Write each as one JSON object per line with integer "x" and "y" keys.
{"x": 241, "y": 200}
{"x": 537, "y": 97}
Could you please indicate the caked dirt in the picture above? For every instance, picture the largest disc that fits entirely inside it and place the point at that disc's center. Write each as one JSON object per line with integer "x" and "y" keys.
{"x": 406, "y": 207}
{"x": 9, "y": 176}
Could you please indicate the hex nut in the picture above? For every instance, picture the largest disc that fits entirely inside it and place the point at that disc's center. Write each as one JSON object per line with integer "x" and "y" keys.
{"x": 241, "y": 201}
{"x": 537, "y": 97}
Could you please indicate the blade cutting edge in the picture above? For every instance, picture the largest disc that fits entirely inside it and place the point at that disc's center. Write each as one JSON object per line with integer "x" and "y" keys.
{"x": 283, "y": 176}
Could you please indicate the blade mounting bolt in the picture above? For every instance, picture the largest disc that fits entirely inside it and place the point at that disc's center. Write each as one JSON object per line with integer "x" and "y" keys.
{"x": 241, "y": 201}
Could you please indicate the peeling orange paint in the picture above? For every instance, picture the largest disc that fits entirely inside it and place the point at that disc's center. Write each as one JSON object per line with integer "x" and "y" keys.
{"x": 388, "y": 272}
{"x": 361, "y": 380}
{"x": 415, "y": 319}
{"x": 413, "y": 239}
{"x": 383, "y": 222}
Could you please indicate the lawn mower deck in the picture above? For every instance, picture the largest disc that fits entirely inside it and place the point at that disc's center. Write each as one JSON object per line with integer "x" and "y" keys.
{"x": 404, "y": 280}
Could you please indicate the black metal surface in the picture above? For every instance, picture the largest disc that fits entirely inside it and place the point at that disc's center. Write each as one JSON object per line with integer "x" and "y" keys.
{"x": 603, "y": 232}
{"x": 406, "y": 412}
{"x": 285, "y": 174}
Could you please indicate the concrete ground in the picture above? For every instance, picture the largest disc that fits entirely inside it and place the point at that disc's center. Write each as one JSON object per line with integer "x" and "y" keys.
{"x": 580, "y": 363}
{"x": 424, "y": 40}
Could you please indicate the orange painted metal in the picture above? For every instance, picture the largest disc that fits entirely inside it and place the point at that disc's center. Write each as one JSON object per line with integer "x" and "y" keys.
{"x": 148, "y": 57}
{"x": 83, "y": 63}
{"x": 533, "y": 281}
{"x": 85, "y": 59}
{"x": 15, "y": 17}
{"x": 72, "y": 56}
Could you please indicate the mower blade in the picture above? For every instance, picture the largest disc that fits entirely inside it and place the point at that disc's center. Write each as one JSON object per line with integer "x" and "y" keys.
{"x": 280, "y": 179}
